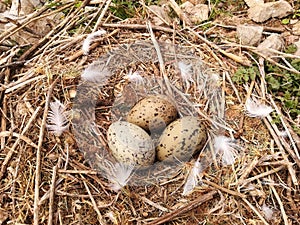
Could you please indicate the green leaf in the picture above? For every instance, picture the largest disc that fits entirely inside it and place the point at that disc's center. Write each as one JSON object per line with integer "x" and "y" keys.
{"x": 273, "y": 82}
{"x": 285, "y": 21}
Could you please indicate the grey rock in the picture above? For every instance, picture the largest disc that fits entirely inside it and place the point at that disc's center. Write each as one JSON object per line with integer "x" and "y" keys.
{"x": 262, "y": 12}
{"x": 296, "y": 28}
{"x": 197, "y": 13}
{"x": 274, "y": 42}
{"x": 249, "y": 35}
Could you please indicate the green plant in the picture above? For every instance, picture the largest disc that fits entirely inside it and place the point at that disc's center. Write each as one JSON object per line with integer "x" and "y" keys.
{"x": 222, "y": 7}
{"x": 124, "y": 9}
{"x": 296, "y": 14}
{"x": 244, "y": 74}
{"x": 291, "y": 49}
{"x": 285, "y": 21}
{"x": 53, "y": 4}
{"x": 285, "y": 86}
{"x": 7, "y": 2}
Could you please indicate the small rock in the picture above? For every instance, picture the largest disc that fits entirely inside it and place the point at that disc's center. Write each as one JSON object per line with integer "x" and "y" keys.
{"x": 23, "y": 7}
{"x": 293, "y": 21}
{"x": 296, "y": 28}
{"x": 289, "y": 39}
{"x": 197, "y": 13}
{"x": 252, "y": 3}
{"x": 274, "y": 41}
{"x": 297, "y": 53}
{"x": 160, "y": 15}
{"x": 39, "y": 28}
{"x": 249, "y": 35}
{"x": 195, "y": 2}
{"x": 262, "y": 12}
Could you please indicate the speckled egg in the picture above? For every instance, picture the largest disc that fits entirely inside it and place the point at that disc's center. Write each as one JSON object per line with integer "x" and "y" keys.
{"x": 130, "y": 144}
{"x": 181, "y": 139}
{"x": 153, "y": 113}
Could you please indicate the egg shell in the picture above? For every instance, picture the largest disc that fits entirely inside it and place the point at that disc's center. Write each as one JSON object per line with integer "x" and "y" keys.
{"x": 153, "y": 113}
{"x": 130, "y": 144}
{"x": 181, "y": 139}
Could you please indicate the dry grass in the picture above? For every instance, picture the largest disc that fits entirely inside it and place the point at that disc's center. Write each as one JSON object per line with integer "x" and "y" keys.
{"x": 48, "y": 180}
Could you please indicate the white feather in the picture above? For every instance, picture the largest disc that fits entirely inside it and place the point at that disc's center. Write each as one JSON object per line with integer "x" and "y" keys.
{"x": 57, "y": 118}
{"x": 268, "y": 212}
{"x": 119, "y": 175}
{"x": 226, "y": 147}
{"x": 89, "y": 39}
{"x": 186, "y": 72}
{"x": 95, "y": 74}
{"x": 283, "y": 133}
{"x": 135, "y": 77}
{"x": 193, "y": 178}
{"x": 257, "y": 109}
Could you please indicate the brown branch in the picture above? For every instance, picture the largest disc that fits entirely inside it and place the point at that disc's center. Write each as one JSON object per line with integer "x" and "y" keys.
{"x": 93, "y": 46}
{"x": 38, "y": 158}
{"x": 283, "y": 213}
{"x": 182, "y": 16}
{"x": 256, "y": 211}
{"x": 52, "y": 193}
{"x": 234, "y": 193}
{"x": 191, "y": 205}
{"x": 100, "y": 218}
{"x": 137, "y": 27}
{"x": 261, "y": 175}
{"x": 268, "y": 123}
{"x": 236, "y": 58}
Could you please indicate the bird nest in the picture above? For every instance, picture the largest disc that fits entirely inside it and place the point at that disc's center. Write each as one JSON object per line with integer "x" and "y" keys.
{"x": 110, "y": 88}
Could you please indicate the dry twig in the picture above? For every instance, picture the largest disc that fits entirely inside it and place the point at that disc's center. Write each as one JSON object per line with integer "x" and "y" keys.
{"x": 38, "y": 157}
{"x": 186, "y": 208}
{"x": 52, "y": 193}
{"x": 11, "y": 151}
{"x": 100, "y": 218}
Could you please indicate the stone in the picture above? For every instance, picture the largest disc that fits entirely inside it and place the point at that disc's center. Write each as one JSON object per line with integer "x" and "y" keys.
{"x": 195, "y": 2}
{"x": 262, "y": 12}
{"x": 249, "y": 35}
{"x": 160, "y": 15}
{"x": 297, "y": 53}
{"x": 296, "y": 28}
{"x": 252, "y": 3}
{"x": 2, "y": 7}
{"x": 23, "y": 7}
{"x": 274, "y": 41}
{"x": 197, "y": 13}
{"x": 38, "y": 29}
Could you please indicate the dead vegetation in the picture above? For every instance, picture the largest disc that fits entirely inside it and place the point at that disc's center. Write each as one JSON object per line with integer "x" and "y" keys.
{"x": 46, "y": 179}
